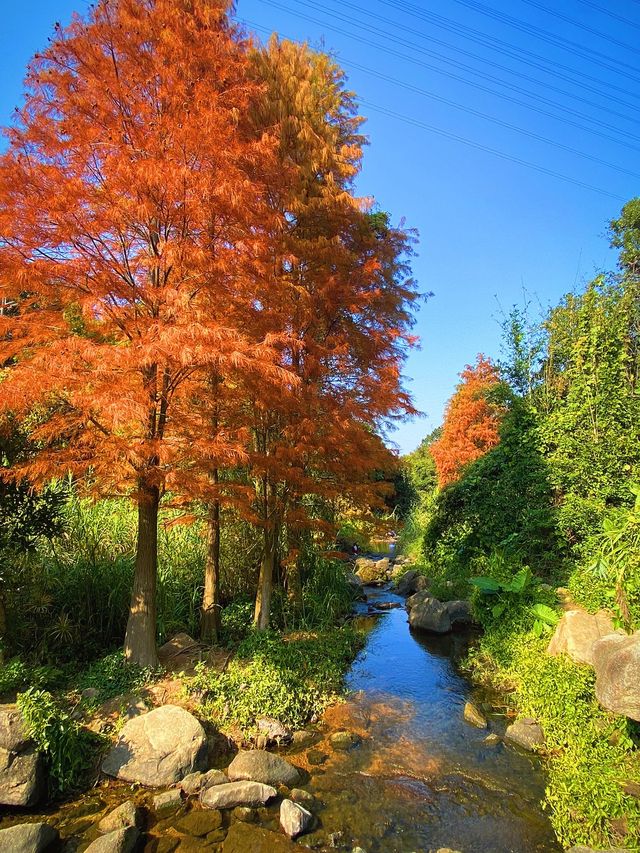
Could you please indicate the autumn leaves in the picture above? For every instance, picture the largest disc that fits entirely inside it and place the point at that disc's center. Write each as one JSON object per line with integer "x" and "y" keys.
{"x": 201, "y": 307}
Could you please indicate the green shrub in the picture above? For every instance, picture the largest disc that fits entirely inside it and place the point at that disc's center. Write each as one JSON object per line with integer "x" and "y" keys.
{"x": 68, "y": 748}
{"x": 112, "y": 676}
{"x": 16, "y": 675}
{"x": 591, "y": 752}
{"x": 289, "y": 678}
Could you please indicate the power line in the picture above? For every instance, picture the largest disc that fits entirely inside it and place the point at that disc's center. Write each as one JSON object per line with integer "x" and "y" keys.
{"x": 531, "y": 134}
{"x": 514, "y": 52}
{"x": 471, "y": 143}
{"x": 544, "y": 35}
{"x": 485, "y": 61}
{"x": 611, "y": 14}
{"x": 390, "y": 51}
{"x": 486, "y": 148}
{"x": 580, "y": 25}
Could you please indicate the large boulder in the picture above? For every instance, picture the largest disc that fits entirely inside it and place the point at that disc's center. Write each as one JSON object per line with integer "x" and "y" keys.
{"x": 256, "y": 765}
{"x": 617, "y": 663}
{"x": 22, "y": 773}
{"x": 234, "y": 794}
{"x": 576, "y": 633}
{"x": 158, "y": 748}
{"x": 13, "y": 732}
{"x": 438, "y": 617}
{"x": 526, "y": 733}
{"x": 28, "y": 838}
{"x": 411, "y": 582}
{"x": 22, "y": 777}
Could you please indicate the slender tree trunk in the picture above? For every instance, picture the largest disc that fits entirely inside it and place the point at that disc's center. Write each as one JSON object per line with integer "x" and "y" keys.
{"x": 294, "y": 570}
{"x": 3, "y": 626}
{"x": 140, "y": 638}
{"x": 265, "y": 582}
{"x": 211, "y": 623}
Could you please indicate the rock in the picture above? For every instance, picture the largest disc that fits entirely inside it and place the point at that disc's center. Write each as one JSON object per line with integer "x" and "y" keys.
{"x": 248, "y": 838}
{"x": 27, "y": 838}
{"x": 168, "y": 800}
{"x": 273, "y": 730}
{"x": 387, "y": 605}
{"x": 581, "y": 849}
{"x": 316, "y": 756}
{"x": 343, "y": 740}
{"x": 299, "y": 795}
{"x": 383, "y": 565}
{"x": 411, "y": 582}
{"x": 368, "y": 572}
{"x": 474, "y": 715}
{"x": 200, "y": 822}
{"x": 492, "y": 740}
{"x": 302, "y": 737}
{"x": 526, "y": 733}
{"x": 237, "y": 794}
{"x": 158, "y": 748}
{"x": 126, "y": 814}
{"x": 446, "y": 850}
{"x": 259, "y": 766}
{"x": 429, "y": 614}
{"x": 120, "y": 841}
{"x": 617, "y": 663}
{"x": 246, "y": 814}
{"x": 13, "y": 733}
{"x": 22, "y": 777}
{"x": 90, "y": 693}
{"x": 198, "y": 781}
{"x": 177, "y": 645}
{"x": 576, "y": 633}
{"x": 294, "y": 818}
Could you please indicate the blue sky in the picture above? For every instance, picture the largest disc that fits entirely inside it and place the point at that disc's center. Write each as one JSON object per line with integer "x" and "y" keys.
{"x": 489, "y": 227}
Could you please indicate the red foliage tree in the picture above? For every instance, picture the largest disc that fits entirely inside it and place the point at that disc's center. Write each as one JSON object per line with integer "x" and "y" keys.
{"x": 471, "y": 422}
{"x": 133, "y": 228}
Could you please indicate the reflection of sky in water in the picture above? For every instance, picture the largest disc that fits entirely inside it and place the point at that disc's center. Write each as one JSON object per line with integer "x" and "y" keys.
{"x": 422, "y": 777}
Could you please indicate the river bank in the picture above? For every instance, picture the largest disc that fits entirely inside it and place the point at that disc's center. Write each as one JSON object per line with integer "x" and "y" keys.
{"x": 394, "y": 768}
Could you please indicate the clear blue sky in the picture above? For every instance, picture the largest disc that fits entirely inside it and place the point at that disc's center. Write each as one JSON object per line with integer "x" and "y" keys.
{"x": 488, "y": 226}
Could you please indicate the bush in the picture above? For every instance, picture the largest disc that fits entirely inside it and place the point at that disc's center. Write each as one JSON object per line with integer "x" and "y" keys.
{"x": 68, "y": 748}
{"x": 289, "y": 678}
{"x": 112, "y": 676}
{"x": 591, "y": 752}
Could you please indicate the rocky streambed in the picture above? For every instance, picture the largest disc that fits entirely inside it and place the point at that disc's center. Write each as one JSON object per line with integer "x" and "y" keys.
{"x": 404, "y": 765}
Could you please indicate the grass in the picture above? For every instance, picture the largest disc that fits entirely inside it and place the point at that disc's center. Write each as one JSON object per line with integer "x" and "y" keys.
{"x": 291, "y": 678}
{"x": 591, "y": 753}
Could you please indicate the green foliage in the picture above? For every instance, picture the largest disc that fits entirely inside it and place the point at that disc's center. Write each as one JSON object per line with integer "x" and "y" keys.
{"x": 290, "y": 678}
{"x": 591, "y": 752}
{"x": 327, "y": 596}
{"x": 509, "y": 591}
{"x": 111, "y": 676}
{"x": 618, "y": 560}
{"x": 68, "y": 748}
{"x": 503, "y": 502}
{"x": 16, "y": 675}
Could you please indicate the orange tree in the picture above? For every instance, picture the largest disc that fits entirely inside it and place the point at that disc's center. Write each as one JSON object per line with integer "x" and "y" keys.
{"x": 471, "y": 422}
{"x": 133, "y": 227}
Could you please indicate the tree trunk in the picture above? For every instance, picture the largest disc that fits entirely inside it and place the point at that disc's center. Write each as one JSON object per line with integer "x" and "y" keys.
{"x": 140, "y": 638}
{"x": 211, "y": 610}
{"x": 265, "y": 582}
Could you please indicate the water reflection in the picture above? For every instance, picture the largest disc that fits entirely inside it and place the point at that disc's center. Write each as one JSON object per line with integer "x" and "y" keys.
{"x": 422, "y": 778}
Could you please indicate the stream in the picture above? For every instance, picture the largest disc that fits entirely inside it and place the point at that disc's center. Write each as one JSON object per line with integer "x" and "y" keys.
{"x": 422, "y": 778}
{"x": 419, "y": 778}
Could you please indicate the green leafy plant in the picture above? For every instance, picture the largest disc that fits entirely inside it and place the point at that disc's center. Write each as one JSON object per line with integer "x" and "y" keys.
{"x": 67, "y": 746}
{"x": 515, "y": 594}
{"x": 290, "y": 679}
{"x": 618, "y": 560}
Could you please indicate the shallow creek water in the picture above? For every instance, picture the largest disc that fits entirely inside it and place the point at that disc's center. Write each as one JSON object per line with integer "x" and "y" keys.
{"x": 419, "y": 779}
{"x": 423, "y": 778}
